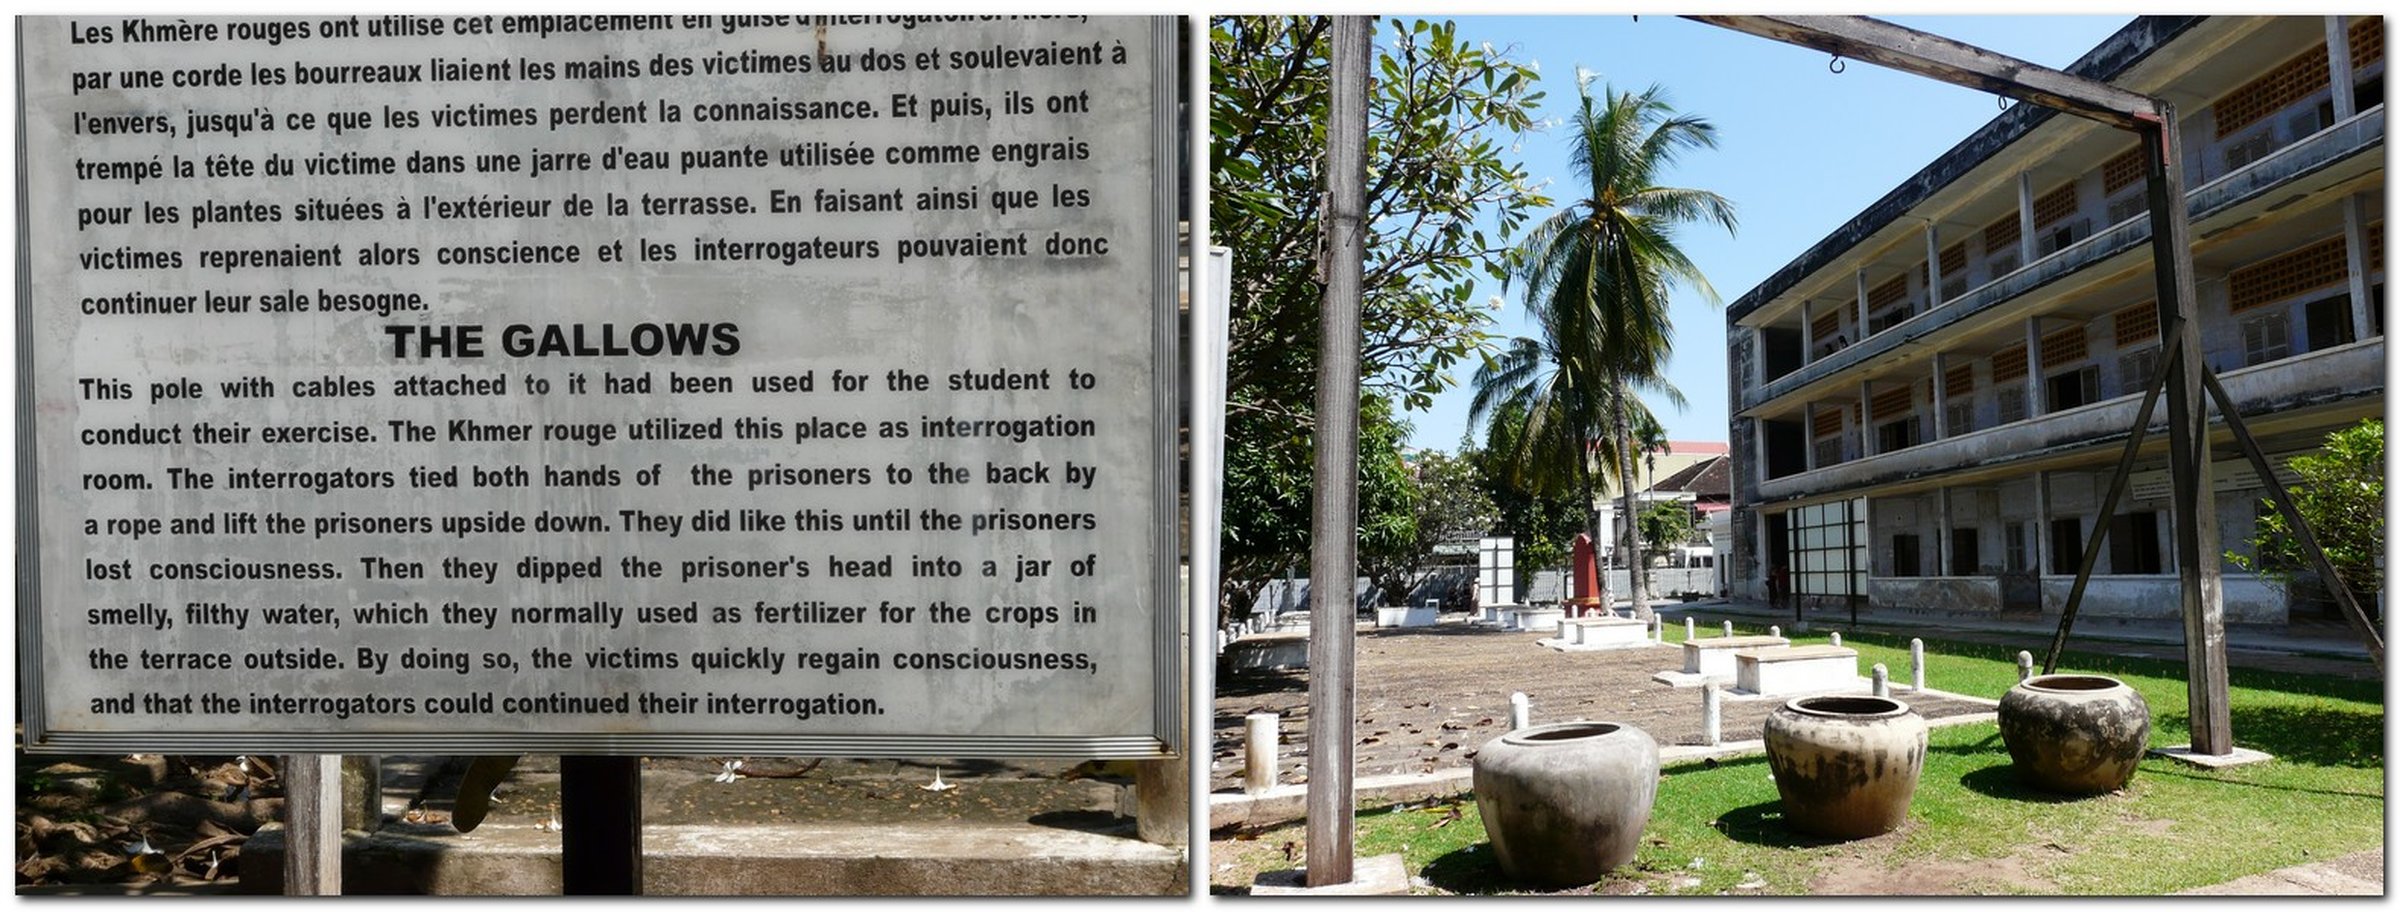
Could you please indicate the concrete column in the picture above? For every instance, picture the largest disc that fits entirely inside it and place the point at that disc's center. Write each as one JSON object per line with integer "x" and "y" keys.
{"x": 1712, "y": 716}
{"x": 1728, "y": 628}
{"x": 2033, "y": 367}
{"x": 1162, "y": 801}
{"x": 1261, "y": 733}
{"x": 1808, "y": 335}
{"x": 1808, "y": 435}
{"x": 2040, "y": 558}
{"x": 1520, "y": 711}
{"x": 1942, "y": 549}
{"x": 1882, "y": 680}
{"x": 1916, "y": 664}
{"x": 1866, "y": 418}
{"x": 1860, "y": 282}
{"x": 1933, "y": 267}
{"x": 1691, "y": 629}
{"x": 2338, "y": 66}
{"x": 1941, "y": 396}
{"x": 2024, "y": 665}
{"x": 2354, "y": 249}
{"x": 2025, "y": 246}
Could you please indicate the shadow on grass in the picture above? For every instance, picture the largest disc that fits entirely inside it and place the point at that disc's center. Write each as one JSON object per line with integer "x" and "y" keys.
{"x": 1470, "y": 870}
{"x": 2310, "y": 735}
{"x": 2002, "y": 782}
{"x": 1762, "y": 824}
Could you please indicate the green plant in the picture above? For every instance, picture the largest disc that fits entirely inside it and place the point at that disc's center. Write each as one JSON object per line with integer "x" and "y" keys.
{"x": 2339, "y": 491}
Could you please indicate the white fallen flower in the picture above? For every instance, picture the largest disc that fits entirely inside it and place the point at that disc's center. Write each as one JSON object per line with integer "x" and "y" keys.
{"x": 732, "y": 771}
{"x": 937, "y": 785}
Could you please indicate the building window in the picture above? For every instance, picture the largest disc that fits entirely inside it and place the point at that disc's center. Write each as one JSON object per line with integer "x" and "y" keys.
{"x": 1965, "y": 552}
{"x": 2013, "y": 537}
{"x": 2136, "y": 369}
{"x": 2000, "y": 264}
{"x": 1961, "y": 416}
{"x": 2012, "y": 405}
{"x": 1897, "y": 435}
{"x": 2066, "y": 545}
{"x": 2266, "y": 337}
{"x": 2329, "y": 322}
{"x": 2129, "y": 206}
{"x": 2074, "y": 388}
{"x": 1907, "y": 552}
{"x": 2133, "y": 543}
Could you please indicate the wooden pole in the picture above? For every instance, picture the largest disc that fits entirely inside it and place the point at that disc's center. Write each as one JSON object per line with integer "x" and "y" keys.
{"x": 312, "y": 825}
{"x": 2195, "y": 500}
{"x": 1333, "y": 609}
{"x": 600, "y": 825}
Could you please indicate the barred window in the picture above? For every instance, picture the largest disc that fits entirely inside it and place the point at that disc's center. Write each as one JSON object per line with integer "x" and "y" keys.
{"x": 2279, "y": 88}
{"x": 2122, "y": 171}
{"x": 2054, "y": 205}
{"x": 1824, "y": 325}
{"x": 2008, "y": 364}
{"x": 2366, "y": 41}
{"x": 1893, "y": 402}
{"x": 2001, "y": 235}
{"x": 1954, "y": 259}
{"x": 2136, "y": 324}
{"x": 2064, "y": 347}
{"x": 1887, "y": 292}
{"x": 2306, "y": 269}
{"x": 1959, "y": 381}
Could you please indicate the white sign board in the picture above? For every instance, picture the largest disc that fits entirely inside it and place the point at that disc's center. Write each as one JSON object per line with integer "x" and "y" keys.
{"x": 599, "y": 384}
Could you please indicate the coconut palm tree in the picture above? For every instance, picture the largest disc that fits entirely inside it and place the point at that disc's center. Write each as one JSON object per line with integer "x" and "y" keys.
{"x": 1599, "y": 273}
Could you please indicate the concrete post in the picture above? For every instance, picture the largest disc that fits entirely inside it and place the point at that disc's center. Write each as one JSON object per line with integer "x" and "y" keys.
{"x": 1520, "y": 711}
{"x": 1882, "y": 678}
{"x": 1712, "y": 715}
{"x": 2025, "y": 226}
{"x": 2024, "y": 665}
{"x": 1261, "y": 736}
{"x": 1837, "y": 637}
{"x": 1728, "y": 628}
{"x": 1691, "y": 628}
{"x": 1916, "y": 664}
{"x": 1162, "y": 801}
{"x": 1774, "y": 630}
{"x": 1658, "y": 629}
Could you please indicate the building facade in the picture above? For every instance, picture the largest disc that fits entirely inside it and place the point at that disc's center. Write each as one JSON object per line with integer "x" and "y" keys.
{"x": 1929, "y": 404}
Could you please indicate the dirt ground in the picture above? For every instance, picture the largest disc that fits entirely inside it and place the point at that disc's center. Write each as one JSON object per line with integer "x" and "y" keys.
{"x": 169, "y": 819}
{"x": 1428, "y": 697}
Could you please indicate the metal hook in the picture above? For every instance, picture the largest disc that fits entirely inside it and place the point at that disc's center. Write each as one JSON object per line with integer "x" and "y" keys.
{"x": 1836, "y": 65}
{"x": 2004, "y": 101}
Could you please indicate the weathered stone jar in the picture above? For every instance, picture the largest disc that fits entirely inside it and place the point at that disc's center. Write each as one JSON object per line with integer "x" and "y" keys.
{"x": 1846, "y": 765}
{"x": 1565, "y": 803}
{"x": 2081, "y": 734}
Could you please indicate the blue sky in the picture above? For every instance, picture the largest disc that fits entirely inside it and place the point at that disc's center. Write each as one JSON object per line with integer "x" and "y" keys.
{"x": 1800, "y": 149}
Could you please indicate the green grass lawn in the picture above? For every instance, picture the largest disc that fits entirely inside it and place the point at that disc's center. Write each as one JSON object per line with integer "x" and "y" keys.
{"x": 1971, "y": 825}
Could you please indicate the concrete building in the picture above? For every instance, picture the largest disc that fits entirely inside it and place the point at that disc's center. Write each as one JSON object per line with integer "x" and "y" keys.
{"x": 1928, "y": 403}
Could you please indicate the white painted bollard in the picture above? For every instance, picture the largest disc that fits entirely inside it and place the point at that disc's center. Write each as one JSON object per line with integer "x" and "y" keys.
{"x": 1837, "y": 638}
{"x": 1691, "y": 628}
{"x": 1916, "y": 664}
{"x": 1261, "y": 732}
{"x": 1728, "y": 628}
{"x": 2024, "y": 665}
{"x": 1520, "y": 711}
{"x": 1658, "y": 629}
{"x": 1774, "y": 630}
{"x": 1712, "y": 718}
{"x": 1883, "y": 680}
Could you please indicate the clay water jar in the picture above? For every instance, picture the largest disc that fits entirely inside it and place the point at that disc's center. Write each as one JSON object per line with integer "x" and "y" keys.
{"x": 2079, "y": 734}
{"x": 1846, "y": 765}
{"x": 1565, "y": 803}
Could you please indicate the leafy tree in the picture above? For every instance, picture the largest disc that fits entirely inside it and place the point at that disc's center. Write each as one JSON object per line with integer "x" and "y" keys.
{"x": 1667, "y": 525}
{"x": 2339, "y": 491}
{"x": 1443, "y": 192}
{"x": 1601, "y": 270}
{"x": 1451, "y": 506}
{"x": 1268, "y": 481}
{"x": 1544, "y": 525}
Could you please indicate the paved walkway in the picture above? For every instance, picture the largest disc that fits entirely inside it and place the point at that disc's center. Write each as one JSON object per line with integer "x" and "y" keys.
{"x": 2356, "y": 874}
